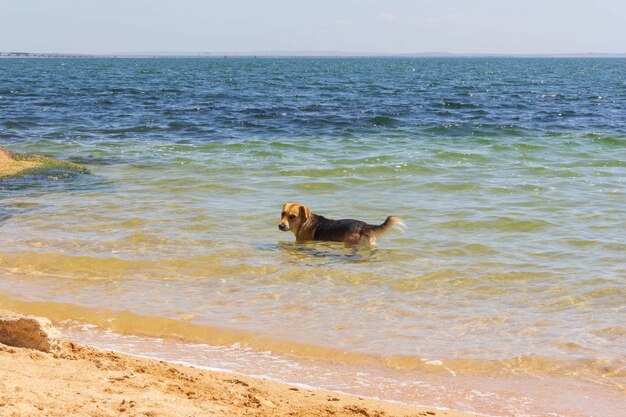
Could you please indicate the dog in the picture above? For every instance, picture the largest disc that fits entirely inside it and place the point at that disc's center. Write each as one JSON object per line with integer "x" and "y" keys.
{"x": 306, "y": 226}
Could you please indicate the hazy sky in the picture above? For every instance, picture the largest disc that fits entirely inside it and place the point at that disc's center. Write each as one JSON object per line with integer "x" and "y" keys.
{"x": 392, "y": 26}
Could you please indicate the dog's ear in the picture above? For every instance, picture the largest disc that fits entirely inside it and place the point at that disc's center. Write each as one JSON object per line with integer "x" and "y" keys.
{"x": 305, "y": 212}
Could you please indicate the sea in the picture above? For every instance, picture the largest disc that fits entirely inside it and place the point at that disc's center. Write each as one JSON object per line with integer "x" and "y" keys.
{"x": 504, "y": 295}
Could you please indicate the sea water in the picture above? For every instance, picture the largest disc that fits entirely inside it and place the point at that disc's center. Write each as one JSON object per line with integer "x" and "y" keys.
{"x": 505, "y": 294}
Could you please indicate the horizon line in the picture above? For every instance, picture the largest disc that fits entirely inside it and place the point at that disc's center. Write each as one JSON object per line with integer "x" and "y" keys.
{"x": 305, "y": 54}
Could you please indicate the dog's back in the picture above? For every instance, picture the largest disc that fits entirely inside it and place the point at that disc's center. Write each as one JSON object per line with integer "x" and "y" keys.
{"x": 351, "y": 231}
{"x": 337, "y": 230}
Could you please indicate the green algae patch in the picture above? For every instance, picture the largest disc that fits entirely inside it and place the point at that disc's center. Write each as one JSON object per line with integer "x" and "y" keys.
{"x": 13, "y": 164}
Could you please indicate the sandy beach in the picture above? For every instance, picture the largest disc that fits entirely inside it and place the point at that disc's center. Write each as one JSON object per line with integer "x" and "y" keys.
{"x": 82, "y": 381}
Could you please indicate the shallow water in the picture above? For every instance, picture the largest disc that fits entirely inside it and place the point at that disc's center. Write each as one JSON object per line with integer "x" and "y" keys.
{"x": 509, "y": 174}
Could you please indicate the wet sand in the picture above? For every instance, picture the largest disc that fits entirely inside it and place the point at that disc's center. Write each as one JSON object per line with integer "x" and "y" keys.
{"x": 82, "y": 381}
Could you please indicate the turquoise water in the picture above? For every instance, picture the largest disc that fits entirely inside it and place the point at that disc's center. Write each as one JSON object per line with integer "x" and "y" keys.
{"x": 509, "y": 174}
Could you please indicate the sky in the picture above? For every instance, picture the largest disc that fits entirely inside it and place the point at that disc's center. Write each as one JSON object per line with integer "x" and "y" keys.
{"x": 357, "y": 26}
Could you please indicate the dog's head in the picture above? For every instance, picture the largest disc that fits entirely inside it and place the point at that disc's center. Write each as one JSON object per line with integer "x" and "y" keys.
{"x": 293, "y": 216}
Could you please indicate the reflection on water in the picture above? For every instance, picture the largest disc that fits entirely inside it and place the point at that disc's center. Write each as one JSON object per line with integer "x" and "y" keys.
{"x": 333, "y": 251}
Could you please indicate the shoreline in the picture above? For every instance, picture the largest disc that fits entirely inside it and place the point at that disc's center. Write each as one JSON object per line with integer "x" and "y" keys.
{"x": 440, "y": 388}
{"x": 82, "y": 380}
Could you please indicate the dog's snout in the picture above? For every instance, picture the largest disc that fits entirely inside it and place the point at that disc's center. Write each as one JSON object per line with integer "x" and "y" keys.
{"x": 282, "y": 226}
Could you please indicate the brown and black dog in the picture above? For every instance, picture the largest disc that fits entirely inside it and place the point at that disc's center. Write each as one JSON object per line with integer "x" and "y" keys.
{"x": 310, "y": 226}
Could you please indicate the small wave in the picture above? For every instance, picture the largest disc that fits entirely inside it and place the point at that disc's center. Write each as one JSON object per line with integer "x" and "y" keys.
{"x": 452, "y": 186}
{"x": 582, "y": 243}
{"x": 500, "y": 223}
{"x": 146, "y": 239}
{"x": 450, "y": 104}
{"x": 383, "y": 121}
{"x": 98, "y": 160}
{"x": 419, "y": 282}
{"x": 319, "y": 186}
{"x": 554, "y": 172}
{"x": 45, "y": 103}
{"x": 131, "y": 129}
{"x": 188, "y": 110}
{"x": 610, "y": 140}
{"x": 616, "y": 332}
{"x": 528, "y": 146}
{"x": 608, "y": 297}
{"x": 463, "y": 156}
{"x": 129, "y": 91}
{"x": 311, "y": 108}
{"x": 19, "y": 124}
{"x": 556, "y": 96}
{"x": 245, "y": 123}
{"x": 28, "y": 263}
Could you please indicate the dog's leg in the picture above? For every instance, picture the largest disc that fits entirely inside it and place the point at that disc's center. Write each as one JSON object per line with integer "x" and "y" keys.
{"x": 363, "y": 242}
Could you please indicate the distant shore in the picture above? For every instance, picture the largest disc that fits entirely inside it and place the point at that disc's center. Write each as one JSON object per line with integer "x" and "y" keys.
{"x": 303, "y": 54}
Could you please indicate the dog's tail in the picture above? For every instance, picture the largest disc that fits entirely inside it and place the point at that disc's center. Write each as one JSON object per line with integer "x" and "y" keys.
{"x": 392, "y": 222}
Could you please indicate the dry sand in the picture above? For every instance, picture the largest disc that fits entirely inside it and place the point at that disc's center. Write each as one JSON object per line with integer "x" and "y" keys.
{"x": 74, "y": 380}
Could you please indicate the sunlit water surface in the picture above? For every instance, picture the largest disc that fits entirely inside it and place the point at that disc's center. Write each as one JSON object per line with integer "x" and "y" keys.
{"x": 509, "y": 174}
